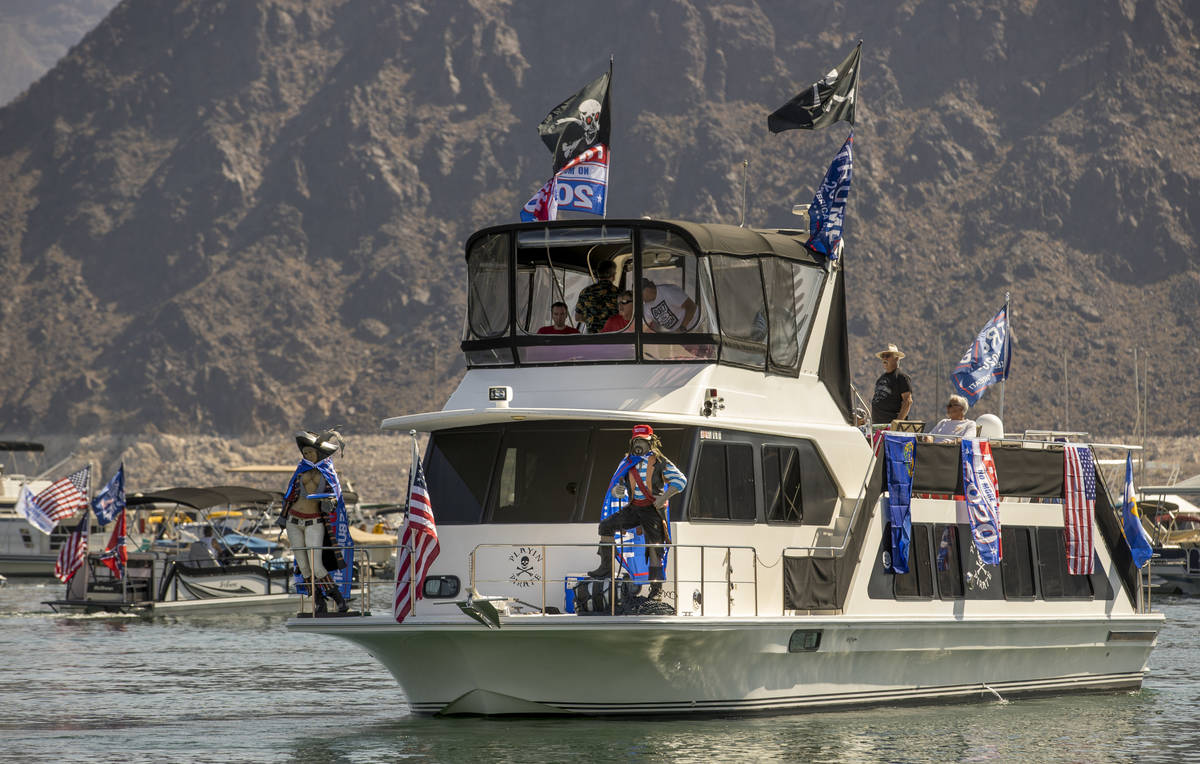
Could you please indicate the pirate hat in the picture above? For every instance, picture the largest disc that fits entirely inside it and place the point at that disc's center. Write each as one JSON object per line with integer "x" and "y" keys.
{"x": 325, "y": 443}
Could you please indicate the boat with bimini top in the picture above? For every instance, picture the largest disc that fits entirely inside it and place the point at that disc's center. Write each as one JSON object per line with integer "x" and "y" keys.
{"x": 787, "y": 583}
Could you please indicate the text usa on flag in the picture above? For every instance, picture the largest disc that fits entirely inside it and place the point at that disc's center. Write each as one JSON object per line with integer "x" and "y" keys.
{"x": 60, "y": 500}
{"x": 827, "y": 213}
{"x": 418, "y": 544}
{"x": 824, "y": 102}
{"x": 987, "y": 361}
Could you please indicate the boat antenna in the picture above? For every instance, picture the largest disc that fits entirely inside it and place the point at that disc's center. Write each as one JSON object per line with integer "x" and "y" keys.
{"x": 745, "y": 167}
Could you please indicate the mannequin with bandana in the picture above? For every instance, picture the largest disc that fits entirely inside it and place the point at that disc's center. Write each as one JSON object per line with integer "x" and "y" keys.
{"x": 311, "y": 503}
{"x": 649, "y": 479}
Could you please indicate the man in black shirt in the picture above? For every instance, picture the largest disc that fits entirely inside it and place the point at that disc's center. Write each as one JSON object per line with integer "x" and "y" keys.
{"x": 893, "y": 389}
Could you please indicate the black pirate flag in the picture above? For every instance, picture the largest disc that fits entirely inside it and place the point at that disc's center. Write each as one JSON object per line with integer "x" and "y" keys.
{"x": 581, "y": 121}
{"x": 824, "y": 102}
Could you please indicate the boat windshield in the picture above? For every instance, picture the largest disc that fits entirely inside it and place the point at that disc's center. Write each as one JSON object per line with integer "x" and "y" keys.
{"x": 598, "y": 293}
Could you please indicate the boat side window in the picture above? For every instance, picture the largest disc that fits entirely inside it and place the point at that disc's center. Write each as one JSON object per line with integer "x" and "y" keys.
{"x": 668, "y": 260}
{"x": 781, "y": 484}
{"x": 457, "y": 471}
{"x": 917, "y": 583}
{"x": 948, "y": 562}
{"x": 1052, "y": 568}
{"x": 738, "y": 284}
{"x": 723, "y": 487}
{"x": 540, "y": 475}
{"x": 1017, "y": 564}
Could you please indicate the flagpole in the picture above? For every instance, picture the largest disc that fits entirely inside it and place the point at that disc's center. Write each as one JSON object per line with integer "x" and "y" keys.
{"x": 1008, "y": 349}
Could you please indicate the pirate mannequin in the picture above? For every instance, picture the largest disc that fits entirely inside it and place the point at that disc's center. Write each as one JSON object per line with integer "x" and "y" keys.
{"x": 650, "y": 480}
{"x": 309, "y": 519}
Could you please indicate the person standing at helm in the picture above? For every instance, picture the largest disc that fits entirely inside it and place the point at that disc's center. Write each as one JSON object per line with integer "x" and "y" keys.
{"x": 649, "y": 479}
{"x": 310, "y": 504}
{"x": 893, "y": 390}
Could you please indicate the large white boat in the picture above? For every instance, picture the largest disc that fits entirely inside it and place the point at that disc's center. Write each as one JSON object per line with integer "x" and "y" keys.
{"x": 24, "y": 550}
{"x": 779, "y": 593}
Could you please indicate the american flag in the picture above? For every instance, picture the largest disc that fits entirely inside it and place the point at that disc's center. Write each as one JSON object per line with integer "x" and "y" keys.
{"x": 1079, "y": 509}
{"x": 73, "y": 551}
{"x": 419, "y": 540}
{"x": 63, "y": 498}
{"x": 115, "y": 555}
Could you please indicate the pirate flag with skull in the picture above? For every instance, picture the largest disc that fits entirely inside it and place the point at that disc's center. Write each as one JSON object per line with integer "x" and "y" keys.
{"x": 579, "y": 122}
{"x": 830, "y": 99}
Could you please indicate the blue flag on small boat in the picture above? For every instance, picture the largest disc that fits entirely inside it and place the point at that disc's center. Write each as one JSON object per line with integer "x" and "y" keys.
{"x": 827, "y": 213}
{"x": 898, "y": 455}
{"x": 987, "y": 361}
{"x": 111, "y": 499}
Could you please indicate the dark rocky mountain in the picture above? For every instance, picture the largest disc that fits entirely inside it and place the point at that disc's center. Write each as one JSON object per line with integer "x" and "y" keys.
{"x": 240, "y": 217}
{"x": 34, "y": 34}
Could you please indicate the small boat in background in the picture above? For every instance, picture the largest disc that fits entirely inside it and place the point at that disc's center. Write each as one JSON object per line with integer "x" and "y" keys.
{"x": 1173, "y": 518}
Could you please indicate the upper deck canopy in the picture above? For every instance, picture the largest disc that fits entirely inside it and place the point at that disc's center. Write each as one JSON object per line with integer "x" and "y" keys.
{"x": 693, "y": 292}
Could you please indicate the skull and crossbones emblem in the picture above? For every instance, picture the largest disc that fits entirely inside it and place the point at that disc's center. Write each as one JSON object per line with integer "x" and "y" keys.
{"x": 527, "y": 561}
{"x": 589, "y": 120}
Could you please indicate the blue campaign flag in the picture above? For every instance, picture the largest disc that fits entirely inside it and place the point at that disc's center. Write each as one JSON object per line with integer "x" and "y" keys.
{"x": 827, "y": 213}
{"x": 898, "y": 456}
{"x": 110, "y": 500}
{"x": 986, "y": 362}
{"x": 1135, "y": 533}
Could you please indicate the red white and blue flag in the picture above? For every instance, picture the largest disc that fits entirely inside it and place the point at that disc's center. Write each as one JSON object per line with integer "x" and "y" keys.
{"x": 111, "y": 498}
{"x": 59, "y": 501}
{"x": 827, "y": 212}
{"x": 73, "y": 551}
{"x": 115, "y": 555}
{"x": 580, "y": 186}
{"x": 987, "y": 361}
{"x": 418, "y": 544}
{"x": 1079, "y": 509}
{"x": 982, "y": 494}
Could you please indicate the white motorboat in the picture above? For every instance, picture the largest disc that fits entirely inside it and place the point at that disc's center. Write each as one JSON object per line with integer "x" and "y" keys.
{"x": 779, "y": 593}
{"x": 1173, "y": 519}
{"x": 24, "y": 550}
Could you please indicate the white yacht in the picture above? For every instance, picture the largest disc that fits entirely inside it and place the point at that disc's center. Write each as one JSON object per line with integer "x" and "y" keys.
{"x": 779, "y": 594}
{"x": 24, "y": 550}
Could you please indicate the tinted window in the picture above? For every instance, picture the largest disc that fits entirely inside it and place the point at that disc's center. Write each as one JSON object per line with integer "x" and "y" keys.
{"x": 487, "y": 288}
{"x": 1052, "y": 568}
{"x": 457, "y": 471}
{"x": 918, "y": 581}
{"x": 1017, "y": 563}
{"x": 781, "y": 484}
{"x": 947, "y": 561}
{"x": 723, "y": 487}
{"x": 820, "y": 492}
{"x": 741, "y": 304}
{"x": 540, "y": 475}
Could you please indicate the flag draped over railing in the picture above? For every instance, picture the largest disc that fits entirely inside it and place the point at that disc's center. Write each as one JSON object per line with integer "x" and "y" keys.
{"x": 73, "y": 551}
{"x": 987, "y": 361}
{"x": 898, "y": 459}
{"x": 829, "y": 99}
{"x": 1079, "y": 509}
{"x": 418, "y": 543}
{"x": 59, "y": 501}
{"x": 982, "y": 494}
{"x": 1140, "y": 545}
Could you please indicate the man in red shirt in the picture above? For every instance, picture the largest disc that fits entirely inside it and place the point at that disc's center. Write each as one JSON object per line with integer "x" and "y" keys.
{"x": 623, "y": 320}
{"x": 558, "y": 314}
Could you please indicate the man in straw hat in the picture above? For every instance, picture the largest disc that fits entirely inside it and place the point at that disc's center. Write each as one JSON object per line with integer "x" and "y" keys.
{"x": 893, "y": 389}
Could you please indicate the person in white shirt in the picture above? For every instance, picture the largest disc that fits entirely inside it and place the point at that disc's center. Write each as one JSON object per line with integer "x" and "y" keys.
{"x": 667, "y": 308}
{"x": 955, "y": 425}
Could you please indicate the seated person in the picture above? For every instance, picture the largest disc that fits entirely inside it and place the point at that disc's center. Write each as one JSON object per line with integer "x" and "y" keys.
{"x": 955, "y": 425}
{"x": 599, "y": 300}
{"x": 558, "y": 314}
{"x": 623, "y": 320}
{"x": 666, "y": 307}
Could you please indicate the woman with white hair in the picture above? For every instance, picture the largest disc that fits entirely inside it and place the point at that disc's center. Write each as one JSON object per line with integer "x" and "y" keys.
{"x": 955, "y": 424}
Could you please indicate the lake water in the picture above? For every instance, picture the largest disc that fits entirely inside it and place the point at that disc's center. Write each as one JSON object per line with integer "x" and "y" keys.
{"x": 242, "y": 689}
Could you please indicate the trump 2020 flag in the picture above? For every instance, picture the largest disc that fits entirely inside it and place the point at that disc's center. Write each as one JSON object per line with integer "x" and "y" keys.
{"x": 419, "y": 545}
{"x": 982, "y": 494}
{"x": 581, "y": 186}
{"x": 111, "y": 498}
{"x": 578, "y": 123}
{"x": 987, "y": 361}
{"x": 898, "y": 453}
{"x": 824, "y": 102}
{"x": 1135, "y": 533}
{"x": 827, "y": 213}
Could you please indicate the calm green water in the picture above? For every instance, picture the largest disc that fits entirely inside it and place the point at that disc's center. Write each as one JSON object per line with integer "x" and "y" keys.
{"x": 242, "y": 689}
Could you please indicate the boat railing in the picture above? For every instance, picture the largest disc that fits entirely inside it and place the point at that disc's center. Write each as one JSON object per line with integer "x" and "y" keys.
{"x": 689, "y": 557}
{"x": 360, "y": 578}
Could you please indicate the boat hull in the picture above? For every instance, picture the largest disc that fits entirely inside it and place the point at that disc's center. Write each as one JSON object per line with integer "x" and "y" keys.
{"x": 687, "y": 665}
